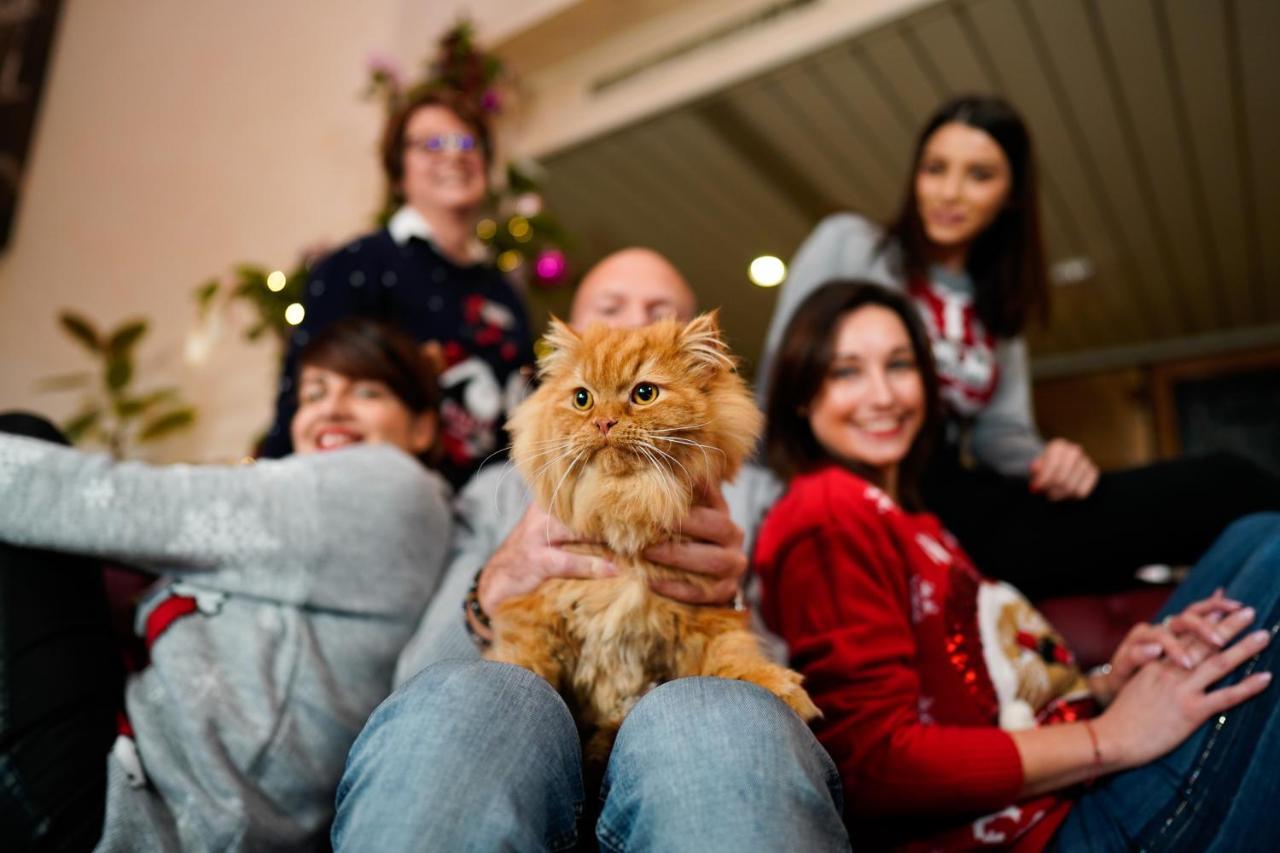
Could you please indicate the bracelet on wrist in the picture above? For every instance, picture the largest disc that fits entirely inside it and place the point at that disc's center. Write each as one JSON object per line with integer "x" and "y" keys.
{"x": 473, "y": 610}
{"x": 1096, "y": 769}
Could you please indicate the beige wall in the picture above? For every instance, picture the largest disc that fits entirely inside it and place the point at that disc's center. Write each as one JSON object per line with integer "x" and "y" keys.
{"x": 176, "y": 138}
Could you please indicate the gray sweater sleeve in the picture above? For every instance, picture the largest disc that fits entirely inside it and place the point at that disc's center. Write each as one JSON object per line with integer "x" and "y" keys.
{"x": 844, "y": 245}
{"x": 1003, "y": 435}
{"x": 301, "y": 530}
{"x": 486, "y": 510}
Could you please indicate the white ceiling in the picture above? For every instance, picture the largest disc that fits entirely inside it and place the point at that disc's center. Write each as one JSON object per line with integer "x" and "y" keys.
{"x": 1157, "y": 127}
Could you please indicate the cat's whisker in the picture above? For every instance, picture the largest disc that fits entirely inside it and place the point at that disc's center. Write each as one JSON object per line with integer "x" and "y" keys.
{"x": 484, "y": 461}
{"x": 551, "y": 504}
{"x": 706, "y": 461}
{"x": 685, "y": 428}
{"x": 667, "y": 475}
{"x": 566, "y": 445}
{"x": 688, "y": 476}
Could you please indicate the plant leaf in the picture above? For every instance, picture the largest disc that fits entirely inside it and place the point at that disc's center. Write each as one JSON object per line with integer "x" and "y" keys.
{"x": 63, "y": 382}
{"x": 205, "y": 294}
{"x": 80, "y": 329}
{"x": 119, "y": 371}
{"x": 167, "y": 423}
{"x": 130, "y": 407}
{"x": 76, "y": 428}
{"x": 160, "y": 394}
{"x": 124, "y": 337}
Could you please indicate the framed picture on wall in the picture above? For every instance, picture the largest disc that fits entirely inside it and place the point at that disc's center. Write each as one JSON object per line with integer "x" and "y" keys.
{"x": 1227, "y": 402}
{"x": 26, "y": 43}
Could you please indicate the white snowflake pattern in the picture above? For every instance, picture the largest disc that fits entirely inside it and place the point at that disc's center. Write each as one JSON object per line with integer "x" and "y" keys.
{"x": 203, "y": 685}
{"x": 933, "y": 549}
{"x": 883, "y": 503}
{"x": 98, "y": 494}
{"x": 994, "y": 828}
{"x": 221, "y": 528}
{"x": 924, "y": 711}
{"x": 923, "y": 603}
{"x": 16, "y": 455}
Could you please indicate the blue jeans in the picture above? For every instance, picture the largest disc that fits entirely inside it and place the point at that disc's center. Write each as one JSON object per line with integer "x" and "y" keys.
{"x": 1217, "y": 791}
{"x": 481, "y": 756}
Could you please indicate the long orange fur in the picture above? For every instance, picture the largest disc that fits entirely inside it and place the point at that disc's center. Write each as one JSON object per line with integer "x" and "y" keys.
{"x": 604, "y": 642}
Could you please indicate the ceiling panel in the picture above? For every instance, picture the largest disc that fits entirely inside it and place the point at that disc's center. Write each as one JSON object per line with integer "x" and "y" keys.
{"x": 1256, "y": 33}
{"x": 1155, "y": 124}
{"x": 1197, "y": 36}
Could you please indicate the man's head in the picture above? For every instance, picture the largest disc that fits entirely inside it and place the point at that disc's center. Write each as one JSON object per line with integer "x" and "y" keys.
{"x": 629, "y": 289}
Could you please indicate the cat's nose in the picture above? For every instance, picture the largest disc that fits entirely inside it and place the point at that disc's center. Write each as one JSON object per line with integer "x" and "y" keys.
{"x": 605, "y": 424}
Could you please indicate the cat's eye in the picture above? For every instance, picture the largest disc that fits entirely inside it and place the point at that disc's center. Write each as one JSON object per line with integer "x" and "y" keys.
{"x": 582, "y": 399}
{"x": 644, "y": 393}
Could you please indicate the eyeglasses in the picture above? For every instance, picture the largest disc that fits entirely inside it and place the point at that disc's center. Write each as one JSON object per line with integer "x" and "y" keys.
{"x": 438, "y": 143}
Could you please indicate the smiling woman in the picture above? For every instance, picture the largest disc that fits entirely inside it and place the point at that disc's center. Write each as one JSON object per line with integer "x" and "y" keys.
{"x": 364, "y": 381}
{"x": 957, "y": 715}
{"x": 427, "y": 273}
{"x": 283, "y": 592}
{"x": 966, "y": 247}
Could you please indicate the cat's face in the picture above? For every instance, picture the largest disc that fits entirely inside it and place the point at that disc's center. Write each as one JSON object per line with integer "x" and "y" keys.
{"x": 640, "y": 419}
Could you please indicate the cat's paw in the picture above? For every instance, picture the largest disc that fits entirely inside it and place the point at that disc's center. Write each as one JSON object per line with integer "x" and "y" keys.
{"x": 797, "y": 698}
{"x": 785, "y": 684}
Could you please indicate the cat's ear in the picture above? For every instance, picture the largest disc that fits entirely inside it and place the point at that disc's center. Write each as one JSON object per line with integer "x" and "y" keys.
{"x": 557, "y": 344}
{"x": 701, "y": 340}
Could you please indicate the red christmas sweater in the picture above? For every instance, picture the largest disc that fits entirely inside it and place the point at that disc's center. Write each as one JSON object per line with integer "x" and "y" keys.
{"x": 881, "y": 611}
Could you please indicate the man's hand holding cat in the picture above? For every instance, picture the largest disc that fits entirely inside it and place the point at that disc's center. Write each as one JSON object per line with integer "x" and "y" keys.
{"x": 714, "y": 551}
{"x": 530, "y": 554}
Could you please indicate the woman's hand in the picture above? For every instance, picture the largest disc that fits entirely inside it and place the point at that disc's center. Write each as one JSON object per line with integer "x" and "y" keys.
{"x": 715, "y": 552}
{"x": 1164, "y": 702}
{"x": 1063, "y": 471}
{"x": 532, "y": 552}
{"x": 1185, "y": 639}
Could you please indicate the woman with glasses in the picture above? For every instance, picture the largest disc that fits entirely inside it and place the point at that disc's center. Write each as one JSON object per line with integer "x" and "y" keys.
{"x": 426, "y": 272}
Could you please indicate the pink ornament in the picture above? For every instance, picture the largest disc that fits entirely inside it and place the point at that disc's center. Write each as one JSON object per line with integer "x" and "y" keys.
{"x": 550, "y": 267}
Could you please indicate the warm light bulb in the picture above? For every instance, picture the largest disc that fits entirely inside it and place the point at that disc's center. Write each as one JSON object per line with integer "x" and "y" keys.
{"x": 486, "y": 228}
{"x": 519, "y": 227}
{"x": 276, "y": 281}
{"x": 508, "y": 260}
{"x": 294, "y": 313}
{"x": 767, "y": 271}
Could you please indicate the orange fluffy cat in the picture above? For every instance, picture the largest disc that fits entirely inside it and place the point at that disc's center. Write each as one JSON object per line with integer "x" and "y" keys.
{"x": 625, "y": 429}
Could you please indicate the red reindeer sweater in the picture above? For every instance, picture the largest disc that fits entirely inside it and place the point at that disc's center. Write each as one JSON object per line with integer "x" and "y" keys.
{"x": 880, "y": 610}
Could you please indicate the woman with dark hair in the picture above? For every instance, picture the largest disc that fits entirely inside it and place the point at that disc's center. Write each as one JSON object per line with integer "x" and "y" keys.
{"x": 427, "y": 273}
{"x": 966, "y": 247}
{"x": 284, "y": 590}
{"x": 954, "y": 711}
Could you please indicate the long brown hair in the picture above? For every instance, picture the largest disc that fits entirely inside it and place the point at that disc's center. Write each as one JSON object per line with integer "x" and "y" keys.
{"x": 800, "y": 368}
{"x": 1006, "y": 260}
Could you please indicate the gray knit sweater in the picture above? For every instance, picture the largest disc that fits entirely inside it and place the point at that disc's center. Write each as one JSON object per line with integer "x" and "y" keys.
{"x": 310, "y": 574}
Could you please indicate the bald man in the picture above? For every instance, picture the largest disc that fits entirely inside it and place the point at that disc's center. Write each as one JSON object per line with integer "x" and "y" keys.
{"x": 471, "y": 754}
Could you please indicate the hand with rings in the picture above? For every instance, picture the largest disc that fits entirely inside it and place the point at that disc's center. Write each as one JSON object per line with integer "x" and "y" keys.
{"x": 1184, "y": 638}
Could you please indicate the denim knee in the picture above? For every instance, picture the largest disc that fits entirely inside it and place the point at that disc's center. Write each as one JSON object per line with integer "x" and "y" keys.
{"x": 733, "y": 724}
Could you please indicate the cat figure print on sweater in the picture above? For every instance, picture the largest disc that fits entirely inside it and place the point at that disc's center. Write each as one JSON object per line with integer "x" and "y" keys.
{"x": 626, "y": 428}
